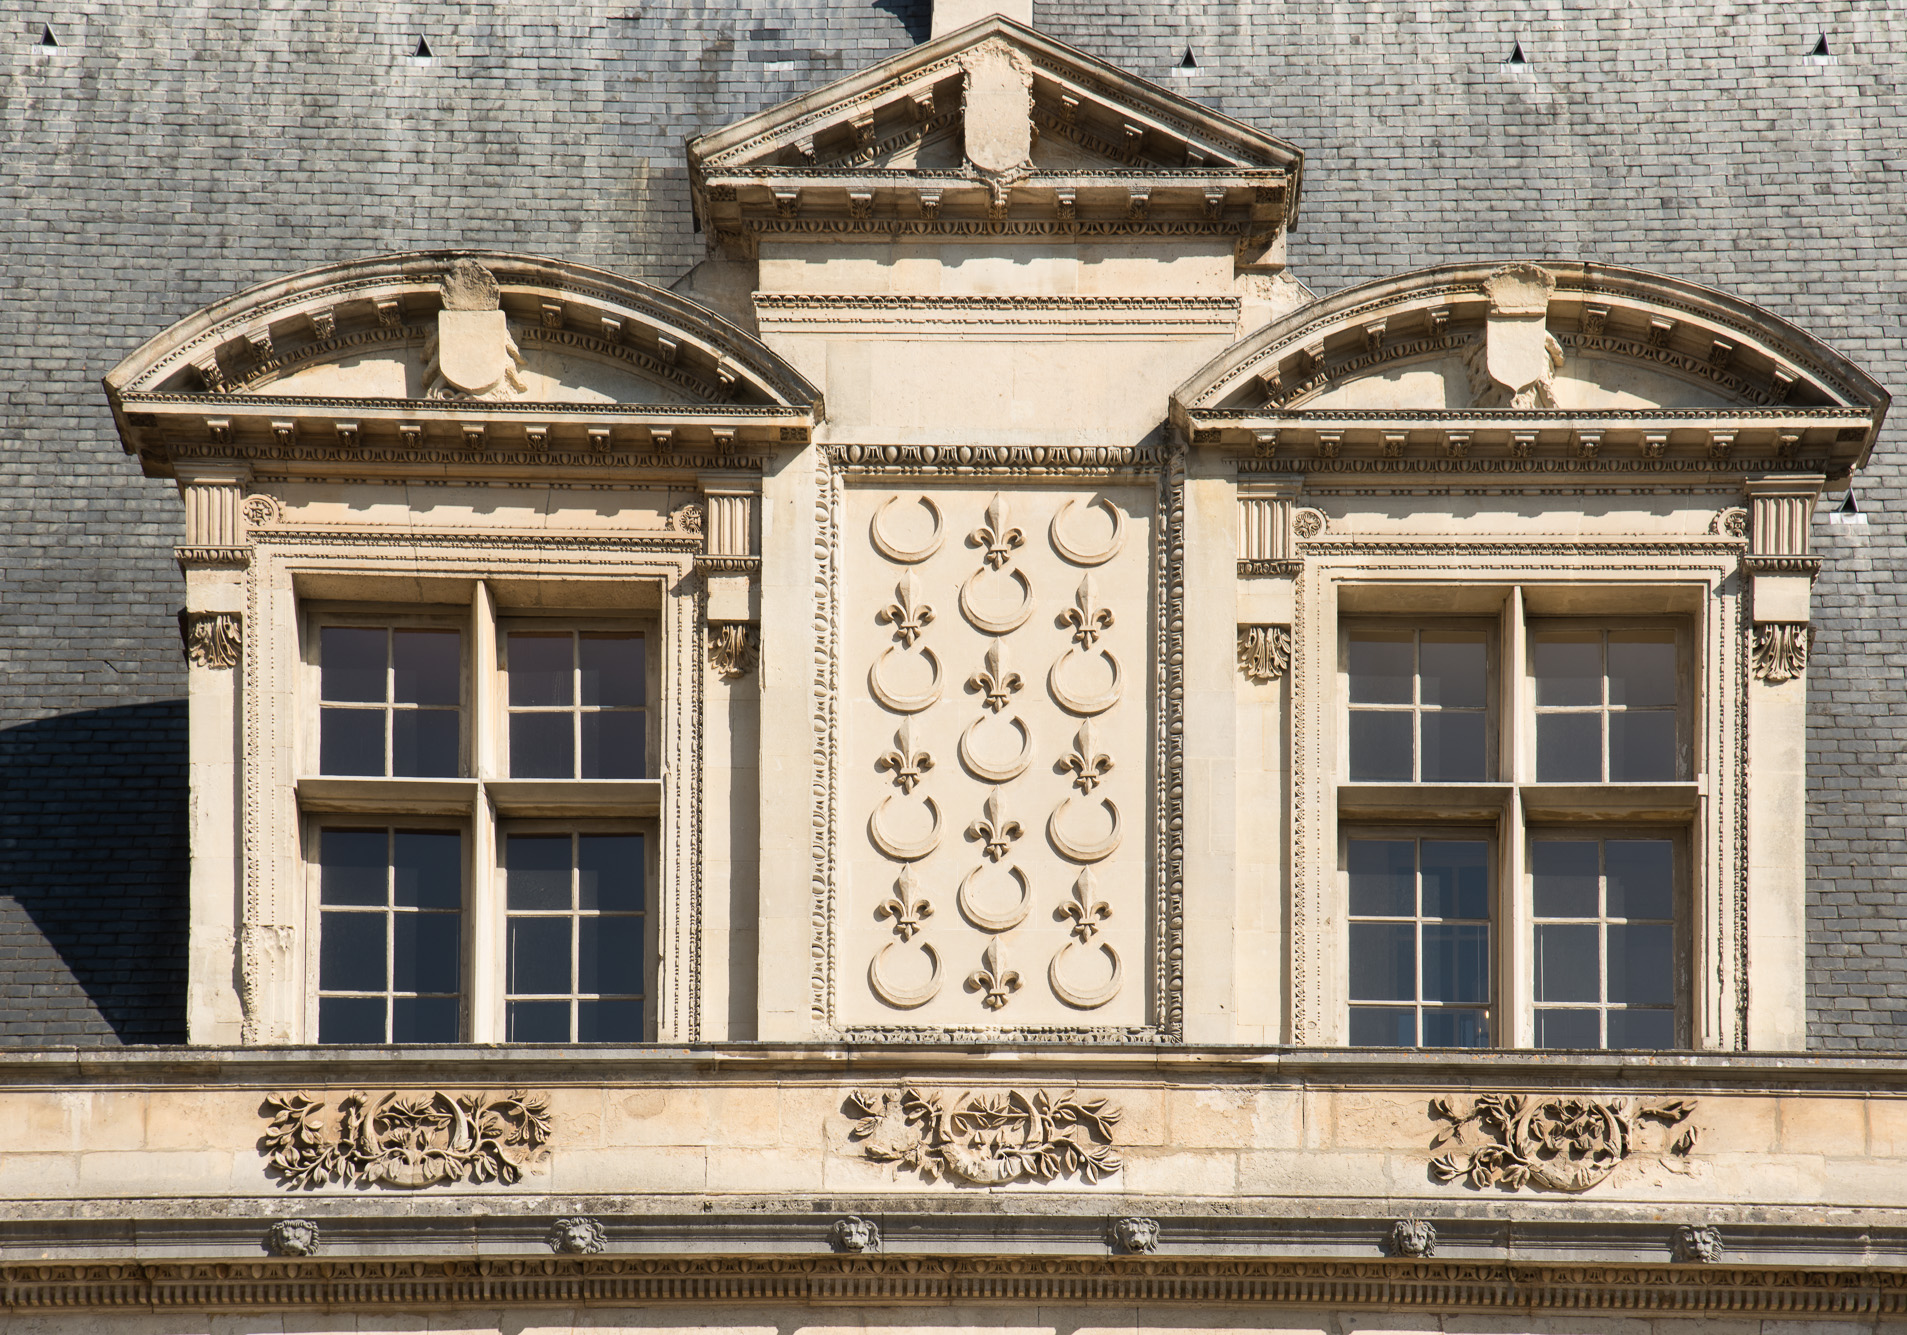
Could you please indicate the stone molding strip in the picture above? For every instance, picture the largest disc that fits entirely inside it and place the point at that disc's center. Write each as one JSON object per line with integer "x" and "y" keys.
{"x": 958, "y": 315}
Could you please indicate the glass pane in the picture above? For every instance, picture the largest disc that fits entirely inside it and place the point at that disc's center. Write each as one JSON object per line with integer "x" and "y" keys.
{"x": 1563, "y": 878}
{"x": 1569, "y": 748}
{"x": 428, "y": 869}
{"x": 1383, "y": 961}
{"x": 1380, "y": 666}
{"x": 536, "y": 1021}
{"x": 609, "y": 872}
{"x": 1456, "y": 879}
{"x": 1383, "y": 875}
{"x": 1383, "y": 1027}
{"x": 424, "y": 743}
{"x": 1642, "y": 747}
{"x": 353, "y": 866}
{"x": 1450, "y": 664}
{"x": 1642, "y": 963}
{"x": 351, "y": 954}
{"x": 1380, "y": 746}
{"x": 1566, "y": 963}
{"x": 613, "y": 745}
{"x": 540, "y": 664}
{"x": 1568, "y": 1029}
{"x": 351, "y": 1019}
{"x": 1641, "y": 1029}
{"x": 424, "y": 951}
{"x": 1453, "y": 748}
{"x": 351, "y": 741}
{"x": 1642, "y": 668}
{"x": 351, "y": 667}
{"x": 609, "y": 954}
{"x": 1456, "y": 1029}
{"x": 611, "y": 668}
{"x": 1567, "y": 665}
{"x": 542, "y": 746}
{"x": 539, "y": 955}
{"x": 609, "y": 1022}
{"x": 536, "y": 871}
{"x": 1641, "y": 878}
{"x": 423, "y": 1019}
{"x": 427, "y": 667}
{"x": 1456, "y": 963}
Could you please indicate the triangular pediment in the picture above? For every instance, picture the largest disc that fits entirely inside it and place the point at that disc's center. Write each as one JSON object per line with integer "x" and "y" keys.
{"x": 993, "y": 128}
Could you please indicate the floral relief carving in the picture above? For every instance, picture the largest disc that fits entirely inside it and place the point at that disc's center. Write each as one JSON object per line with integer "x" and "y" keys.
{"x": 906, "y": 906}
{"x": 260, "y": 510}
{"x": 212, "y": 639}
{"x": 1086, "y": 762}
{"x": 732, "y": 649}
{"x": 996, "y": 681}
{"x": 1730, "y": 523}
{"x": 1781, "y": 650}
{"x": 909, "y": 613}
{"x": 406, "y": 1139}
{"x": 908, "y": 760}
{"x": 987, "y": 1138}
{"x": 686, "y": 518}
{"x": 1264, "y": 652}
{"x": 1307, "y": 523}
{"x": 997, "y": 536}
{"x": 994, "y": 830}
{"x": 1562, "y": 1143}
{"x": 993, "y": 980}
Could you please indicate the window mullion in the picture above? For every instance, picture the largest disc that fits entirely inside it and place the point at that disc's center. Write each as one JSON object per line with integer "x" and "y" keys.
{"x": 484, "y": 932}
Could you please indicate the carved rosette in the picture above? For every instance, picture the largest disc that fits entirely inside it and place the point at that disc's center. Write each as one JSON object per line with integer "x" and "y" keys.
{"x": 1563, "y": 1143}
{"x": 1781, "y": 650}
{"x": 405, "y": 1139}
{"x": 989, "y": 1138}
{"x": 212, "y": 639}
{"x": 1264, "y": 652}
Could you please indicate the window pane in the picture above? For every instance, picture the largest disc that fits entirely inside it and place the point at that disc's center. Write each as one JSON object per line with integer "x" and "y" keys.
{"x": 424, "y": 743}
{"x": 1456, "y": 878}
{"x": 611, "y": 668}
{"x": 351, "y": 1019}
{"x": 542, "y": 746}
{"x": 609, "y": 954}
{"x": 1383, "y": 1027}
{"x": 536, "y": 1021}
{"x": 1568, "y": 667}
{"x": 1456, "y": 964}
{"x": 1642, "y": 668}
{"x": 1456, "y": 1029}
{"x": 428, "y": 869}
{"x": 1563, "y": 878}
{"x": 351, "y": 954}
{"x": 1383, "y": 961}
{"x": 609, "y": 1022}
{"x": 1642, "y": 963}
{"x": 351, "y": 741}
{"x": 426, "y": 667}
{"x": 609, "y": 872}
{"x": 540, "y": 667}
{"x": 424, "y": 1020}
{"x": 1380, "y": 746}
{"x": 351, "y": 665}
{"x": 1641, "y": 1029}
{"x": 1380, "y": 666}
{"x": 353, "y": 866}
{"x": 1569, "y": 748}
{"x": 424, "y": 951}
{"x": 1383, "y": 875}
{"x": 536, "y": 871}
{"x": 1641, "y": 878}
{"x": 1566, "y": 963}
{"x": 613, "y": 745}
{"x": 1568, "y": 1029}
{"x": 1451, "y": 666}
{"x": 1453, "y": 748}
{"x": 539, "y": 956}
{"x": 1642, "y": 747}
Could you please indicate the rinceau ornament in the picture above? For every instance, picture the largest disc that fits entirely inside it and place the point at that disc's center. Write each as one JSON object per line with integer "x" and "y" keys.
{"x": 987, "y": 1138}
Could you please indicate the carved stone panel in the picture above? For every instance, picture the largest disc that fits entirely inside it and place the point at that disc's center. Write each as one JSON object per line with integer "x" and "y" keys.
{"x": 996, "y": 759}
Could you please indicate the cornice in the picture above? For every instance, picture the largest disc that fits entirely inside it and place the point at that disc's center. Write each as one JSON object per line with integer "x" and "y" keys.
{"x": 959, "y": 314}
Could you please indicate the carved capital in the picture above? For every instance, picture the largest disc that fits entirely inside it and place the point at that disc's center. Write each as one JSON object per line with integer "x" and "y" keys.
{"x": 732, "y": 649}
{"x": 212, "y": 639}
{"x": 1781, "y": 650}
{"x": 1264, "y": 652}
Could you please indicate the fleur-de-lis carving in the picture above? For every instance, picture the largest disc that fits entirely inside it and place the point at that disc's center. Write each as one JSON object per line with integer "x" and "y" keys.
{"x": 1088, "y": 619}
{"x": 907, "y": 761}
{"x": 1088, "y": 914}
{"x": 909, "y": 613}
{"x": 997, "y": 982}
{"x": 997, "y": 535}
{"x": 1087, "y": 763}
{"x": 995, "y": 829}
{"x": 906, "y": 906}
{"x": 996, "y": 680}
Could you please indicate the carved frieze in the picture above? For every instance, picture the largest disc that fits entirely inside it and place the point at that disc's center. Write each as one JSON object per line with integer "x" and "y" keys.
{"x": 1552, "y": 1142}
{"x": 987, "y": 1138}
{"x": 212, "y": 639}
{"x": 1781, "y": 650}
{"x": 405, "y": 1139}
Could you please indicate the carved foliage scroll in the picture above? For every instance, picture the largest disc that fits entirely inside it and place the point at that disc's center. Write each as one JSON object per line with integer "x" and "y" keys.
{"x": 212, "y": 639}
{"x": 403, "y": 1139}
{"x": 1560, "y": 1143}
{"x": 1781, "y": 650}
{"x": 988, "y": 1139}
{"x": 1264, "y": 652}
{"x": 731, "y": 649}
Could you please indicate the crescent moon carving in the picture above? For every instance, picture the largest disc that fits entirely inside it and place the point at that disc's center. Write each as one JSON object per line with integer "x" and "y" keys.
{"x": 1072, "y": 553}
{"x": 904, "y": 704}
{"x": 906, "y": 555}
{"x": 900, "y": 852}
{"x": 1013, "y": 769}
{"x": 905, "y": 999}
{"x": 1084, "y": 1001}
{"x": 988, "y": 624}
{"x": 987, "y": 922}
{"x": 1079, "y": 852}
{"x": 1084, "y": 704}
